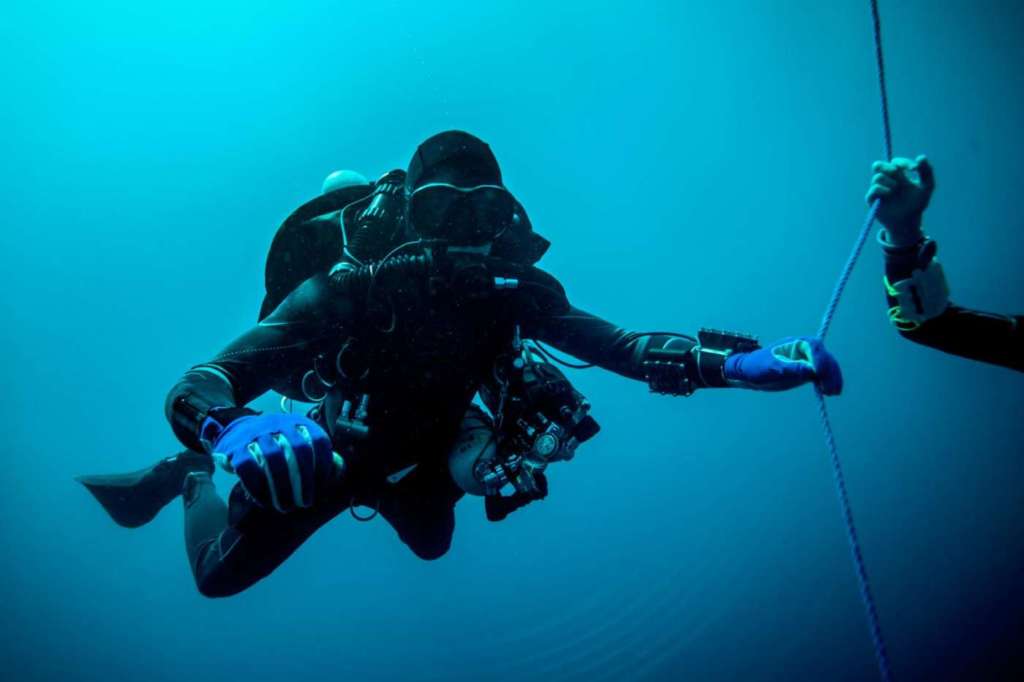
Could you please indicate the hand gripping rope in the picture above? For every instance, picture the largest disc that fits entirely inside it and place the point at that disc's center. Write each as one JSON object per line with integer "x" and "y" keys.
{"x": 826, "y": 321}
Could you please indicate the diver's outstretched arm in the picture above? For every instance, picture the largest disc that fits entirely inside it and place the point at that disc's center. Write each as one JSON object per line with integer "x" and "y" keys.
{"x": 972, "y": 334}
{"x": 680, "y": 364}
{"x": 920, "y": 309}
{"x": 915, "y": 284}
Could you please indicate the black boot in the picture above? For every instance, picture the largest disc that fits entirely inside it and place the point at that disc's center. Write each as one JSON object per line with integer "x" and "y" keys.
{"x": 132, "y": 500}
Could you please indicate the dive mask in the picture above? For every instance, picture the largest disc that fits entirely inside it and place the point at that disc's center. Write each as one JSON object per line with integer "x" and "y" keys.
{"x": 461, "y": 215}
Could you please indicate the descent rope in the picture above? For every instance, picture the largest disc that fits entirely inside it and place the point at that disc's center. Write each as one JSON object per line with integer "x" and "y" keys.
{"x": 826, "y": 321}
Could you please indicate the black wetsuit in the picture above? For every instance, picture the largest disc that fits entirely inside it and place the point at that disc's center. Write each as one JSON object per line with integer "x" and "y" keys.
{"x": 997, "y": 339}
{"x": 430, "y": 331}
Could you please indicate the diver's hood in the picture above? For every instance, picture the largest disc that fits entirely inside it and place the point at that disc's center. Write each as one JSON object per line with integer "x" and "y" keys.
{"x": 455, "y": 157}
{"x": 464, "y": 160}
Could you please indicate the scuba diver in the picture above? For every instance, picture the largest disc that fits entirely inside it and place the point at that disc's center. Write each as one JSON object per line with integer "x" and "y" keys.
{"x": 915, "y": 285}
{"x": 392, "y": 343}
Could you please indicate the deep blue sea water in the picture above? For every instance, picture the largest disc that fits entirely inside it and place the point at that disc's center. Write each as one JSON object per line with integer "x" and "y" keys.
{"x": 694, "y": 164}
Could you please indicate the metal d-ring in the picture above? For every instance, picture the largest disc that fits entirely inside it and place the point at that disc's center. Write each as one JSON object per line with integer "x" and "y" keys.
{"x": 307, "y": 386}
{"x": 341, "y": 370}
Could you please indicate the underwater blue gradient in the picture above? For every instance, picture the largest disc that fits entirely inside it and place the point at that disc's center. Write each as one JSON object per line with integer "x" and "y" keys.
{"x": 694, "y": 164}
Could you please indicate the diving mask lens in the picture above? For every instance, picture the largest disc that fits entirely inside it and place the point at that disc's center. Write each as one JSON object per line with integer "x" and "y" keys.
{"x": 471, "y": 215}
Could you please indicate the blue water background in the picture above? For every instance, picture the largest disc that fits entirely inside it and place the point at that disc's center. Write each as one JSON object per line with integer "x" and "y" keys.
{"x": 694, "y": 164}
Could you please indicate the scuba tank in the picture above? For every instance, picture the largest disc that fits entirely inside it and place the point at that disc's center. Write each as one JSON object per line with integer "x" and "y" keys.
{"x": 309, "y": 241}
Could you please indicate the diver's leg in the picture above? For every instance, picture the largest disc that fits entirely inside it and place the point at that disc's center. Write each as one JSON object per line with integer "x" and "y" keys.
{"x": 421, "y": 508}
{"x": 206, "y": 518}
{"x": 230, "y": 550}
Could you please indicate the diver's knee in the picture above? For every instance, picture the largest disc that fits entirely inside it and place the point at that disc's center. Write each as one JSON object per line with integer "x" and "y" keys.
{"x": 432, "y": 541}
{"x": 214, "y": 578}
{"x": 212, "y": 588}
{"x": 219, "y": 583}
{"x": 433, "y": 551}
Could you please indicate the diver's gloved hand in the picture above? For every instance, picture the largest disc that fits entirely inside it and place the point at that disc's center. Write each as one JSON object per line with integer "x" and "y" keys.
{"x": 786, "y": 364}
{"x": 282, "y": 460}
{"x": 904, "y": 187}
{"x": 497, "y": 507}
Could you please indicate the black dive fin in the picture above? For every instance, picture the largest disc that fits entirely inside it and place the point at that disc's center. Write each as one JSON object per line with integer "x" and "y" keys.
{"x": 135, "y": 498}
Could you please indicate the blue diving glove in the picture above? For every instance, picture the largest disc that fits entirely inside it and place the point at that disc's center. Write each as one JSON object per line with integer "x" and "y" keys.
{"x": 786, "y": 364}
{"x": 281, "y": 459}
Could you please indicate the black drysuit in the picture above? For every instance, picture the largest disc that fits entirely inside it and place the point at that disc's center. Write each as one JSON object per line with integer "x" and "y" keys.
{"x": 988, "y": 337}
{"x": 429, "y": 331}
